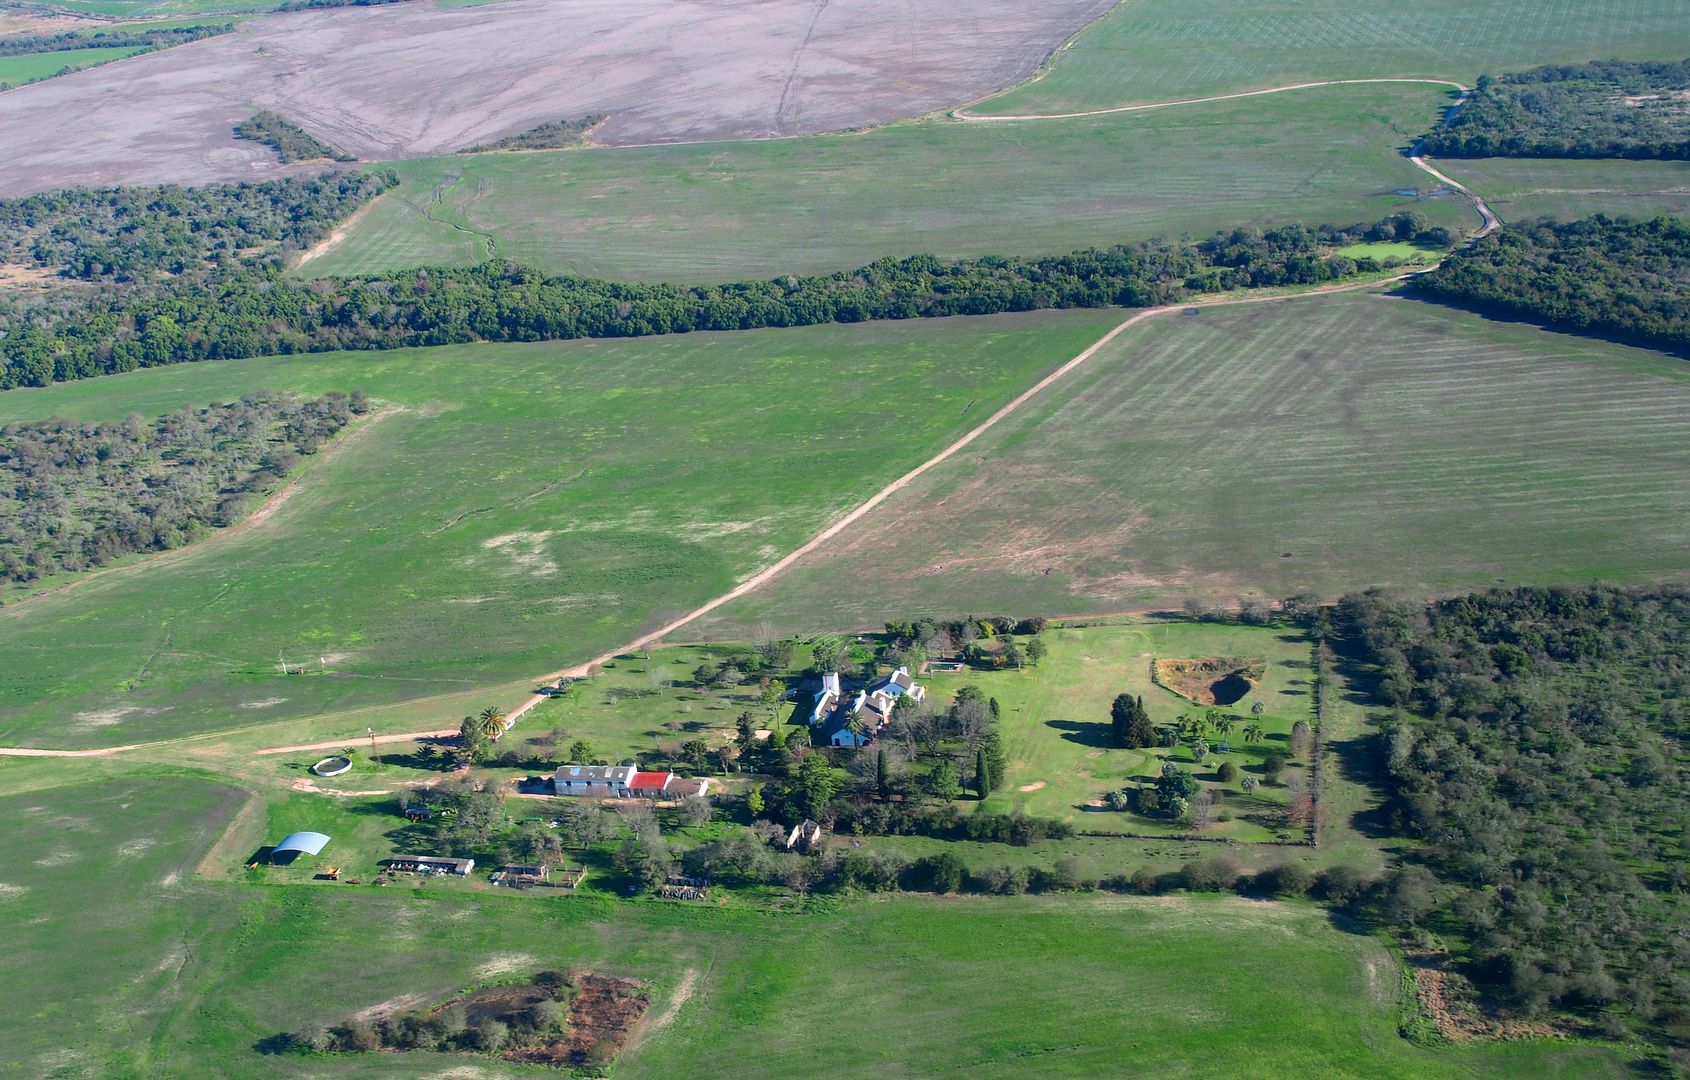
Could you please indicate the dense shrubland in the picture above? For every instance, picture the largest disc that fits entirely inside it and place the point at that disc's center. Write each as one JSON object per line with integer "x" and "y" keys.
{"x": 133, "y": 234}
{"x": 555, "y": 135}
{"x": 1608, "y": 109}
{"x": 1538, "y": 758}
{"x": 1620, "y": 279}
{"x": 290, "y": 141}
{"x": 77, "y": 495}
{"x": 258, "y": 312}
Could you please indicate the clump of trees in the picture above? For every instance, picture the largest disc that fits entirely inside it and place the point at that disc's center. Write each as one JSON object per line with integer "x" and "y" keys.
{"x": 79, "y": 495}
{"x": 556, "y": 135}
{"x": 1538, "y": 756}
{"x": 1629, "y": 280}
{"x": 263, "y": 311}
{"x": 290, "y": 141}
{"x": 528, "y": 1017}
{"x": 1129, "y": 722}
{"x": 1606, "y": 109}
{"x": 124, "y": 235}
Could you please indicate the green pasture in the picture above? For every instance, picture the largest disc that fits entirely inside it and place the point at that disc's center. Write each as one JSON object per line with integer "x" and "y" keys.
{"x": 1055, "y": 721}
{"x": 1319, "y": 444}
{"x": 528, "y": 507}
{"x": 1160, "y": 50}
{"x": 824, "y": 203}
{"x": 1522, "y": 189}
{"x": 31, "y": 67}
{"x": 121, "y": 962}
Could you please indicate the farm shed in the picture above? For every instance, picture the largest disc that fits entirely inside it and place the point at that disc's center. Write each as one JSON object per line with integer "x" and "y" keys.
{"x": 429, "y": 864}
{"x": 294, "y": 845}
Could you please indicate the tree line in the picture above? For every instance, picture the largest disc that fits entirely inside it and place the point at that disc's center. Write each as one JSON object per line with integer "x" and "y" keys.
{"x": 83, "y": 494}
{"x": 261, "y": 311}
{"x": 150, "y": 38}
{"x": 1538, "y": 757}
{"x": 1600, "y": 275}
{"x": 1606, "y": 109}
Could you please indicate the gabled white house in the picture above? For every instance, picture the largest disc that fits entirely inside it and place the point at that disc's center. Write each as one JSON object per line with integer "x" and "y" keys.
{"x": 871, "y": 707}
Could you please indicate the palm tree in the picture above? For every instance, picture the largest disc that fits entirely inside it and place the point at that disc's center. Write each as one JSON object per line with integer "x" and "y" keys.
{"x": 1223, "y": 724}
{"x": 1252, "y": 732}
{"x": 492, "y": 721}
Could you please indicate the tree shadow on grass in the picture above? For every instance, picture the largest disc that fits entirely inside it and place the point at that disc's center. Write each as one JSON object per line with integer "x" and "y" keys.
{"x": 1083, "y": 733}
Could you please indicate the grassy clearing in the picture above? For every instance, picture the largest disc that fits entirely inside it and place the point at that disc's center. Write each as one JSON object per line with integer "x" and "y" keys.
{"x": 107, "y": 981}
{"x": 32, "y": 67}
{"x": 1401, "y": 250}
{"x": 1520, "y": 189}
{"x": 792, "y": 206}
{"x": 1320, "y": 444}
{"x": 1056, "y": 723}
{"x": 531, "y": 506}
{"x": 1157, "y": 50}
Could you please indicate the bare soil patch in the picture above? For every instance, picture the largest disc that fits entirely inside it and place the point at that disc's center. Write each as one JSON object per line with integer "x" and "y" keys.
{"x": 1034, "y": 786}
{"x": 1211, "y": 680}
{"x": 410, "y": 80}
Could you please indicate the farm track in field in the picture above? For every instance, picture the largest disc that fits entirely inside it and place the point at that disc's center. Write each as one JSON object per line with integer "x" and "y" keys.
{"x": 1489, "y": 222}
{"x": 770, "y": 572}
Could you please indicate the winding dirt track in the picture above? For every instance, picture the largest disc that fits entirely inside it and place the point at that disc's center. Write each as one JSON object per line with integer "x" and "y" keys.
{"x": 1489, "y": 223}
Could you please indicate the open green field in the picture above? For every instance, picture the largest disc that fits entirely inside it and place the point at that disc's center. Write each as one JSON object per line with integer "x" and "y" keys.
{"x": 524, "y": 508}
{"x": 31, "y": 67}
{"x": 1521, "y": 189}
{"x": 1159, "y": 50}
{"x": 121, "y": 962}
{"x": 1321, "y": 445}
{"x": 755, "y": 210}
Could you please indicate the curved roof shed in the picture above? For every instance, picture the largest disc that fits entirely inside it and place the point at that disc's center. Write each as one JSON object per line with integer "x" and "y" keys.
{"x": 302, "y": 843}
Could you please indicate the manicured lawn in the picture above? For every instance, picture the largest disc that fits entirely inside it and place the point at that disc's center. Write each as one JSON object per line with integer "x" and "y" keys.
{"x": 1055, "y": 721}
{"x": 529, "y": 507}
{"x": 1322, "y": 445}
{"x": 120, "y": 962}
{"x": 826, "y": 203}
{"x": 1159, "y": 50}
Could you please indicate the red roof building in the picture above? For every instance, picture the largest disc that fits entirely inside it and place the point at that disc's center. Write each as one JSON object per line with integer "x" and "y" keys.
{"x": 649, "y": 784}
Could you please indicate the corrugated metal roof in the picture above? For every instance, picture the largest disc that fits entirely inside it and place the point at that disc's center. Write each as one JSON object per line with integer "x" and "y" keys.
{"x": 309, "y": 842}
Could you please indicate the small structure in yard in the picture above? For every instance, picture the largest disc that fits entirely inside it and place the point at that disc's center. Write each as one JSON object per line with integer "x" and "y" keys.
{"x": 428, "y": 864}
{"x": 685, "y": 888}
{"x": 332, "y": 766}
{"x": 294, "y": 845}
{"x": 521, "y": 875}
{"x": 696, "y": 787}
{"x": 803, "y": 836}
{"x": 858, "y": 722}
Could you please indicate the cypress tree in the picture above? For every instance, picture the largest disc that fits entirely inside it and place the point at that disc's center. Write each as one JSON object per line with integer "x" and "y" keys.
{"x": 982, "y": 774}
{"x": 882, "y": 782}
